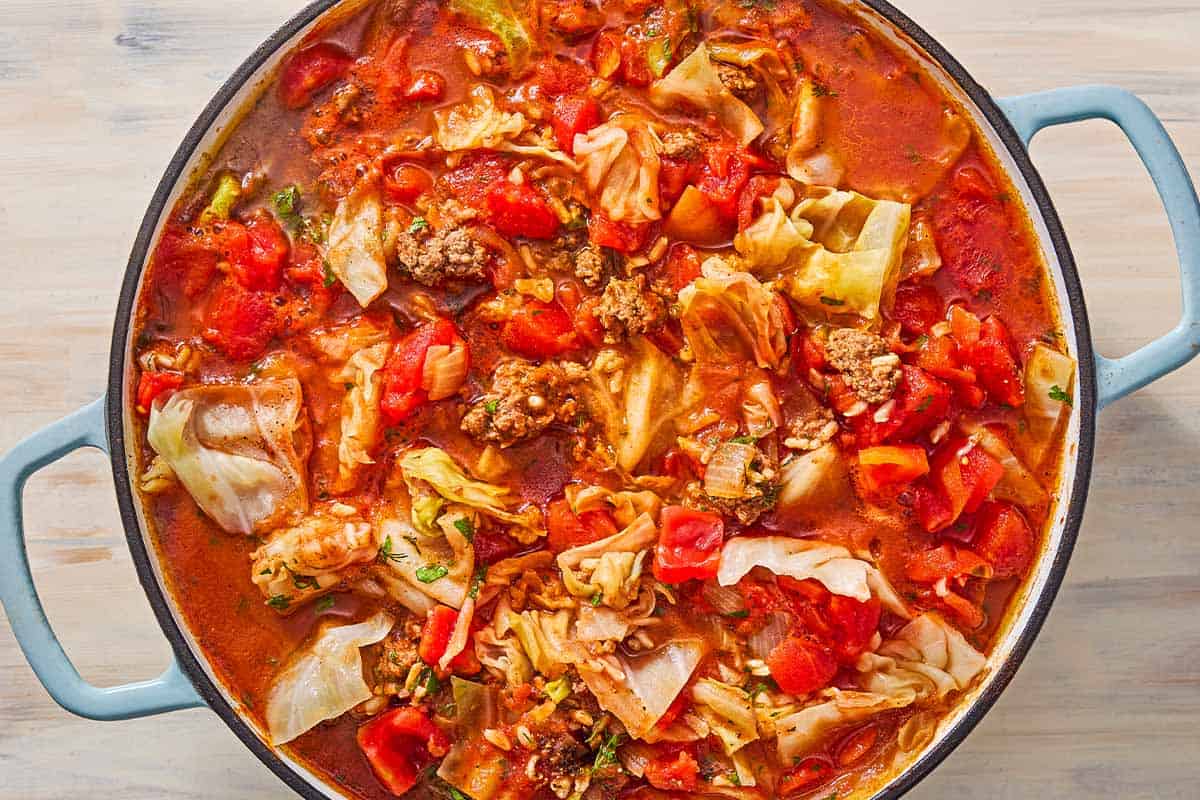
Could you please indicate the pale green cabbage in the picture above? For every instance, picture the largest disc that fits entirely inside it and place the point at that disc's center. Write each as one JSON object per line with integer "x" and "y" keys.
{"x": 728, "y": 316}
{"x": 324, "y": 679}
{"x": 695, "y": 81}
{"x": 476, "y": 123}
{"x": 360, "y": 431}
{"x": 620, "y": 165}
{"x": 355, "y": 250}
{"x": 729, "y": 712}
{"x": 634, "y": 397}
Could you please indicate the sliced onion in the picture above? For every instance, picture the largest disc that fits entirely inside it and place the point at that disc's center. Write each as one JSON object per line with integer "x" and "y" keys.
{"x": 445, "y": 370}
{"x": 763, "y": 641}
{"x": 461, "y": 634}
{"x": 725, "y": 599}
{"x": 725, "y": 475}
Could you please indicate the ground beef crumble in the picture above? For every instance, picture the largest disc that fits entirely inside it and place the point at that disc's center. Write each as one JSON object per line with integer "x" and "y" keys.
{"x": 682, "y": 144}
{"x": 589, "y": 266}
{"x": 738, "y": 80}
{"x": 432, "y": 258}
{"x": 399, "y": 653}
{"x": 627, "y": 309}
{"x": 525, "y": 399}
{"x": 811, "y": 431}
{"x": 870, "y": 369}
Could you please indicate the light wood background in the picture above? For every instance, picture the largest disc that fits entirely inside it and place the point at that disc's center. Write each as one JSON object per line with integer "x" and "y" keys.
{"x": 95, "y": 96}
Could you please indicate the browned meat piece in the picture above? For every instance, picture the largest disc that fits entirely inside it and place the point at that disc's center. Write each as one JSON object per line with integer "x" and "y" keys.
{"x": 745, "y": 510}
{"x": 738, "y": 80}
{"x": 589, "y": 266}
{"x": 431, "y": 258}
{"x": 627, "y": 309}
{"x": 399, "y": 653}
{"x": 561, "y": 755}
{"x": 871, "y": 370}
{"x": 683, "y": 144}
{"x": 525, "y": 400}
{"x": 811, "y": 431}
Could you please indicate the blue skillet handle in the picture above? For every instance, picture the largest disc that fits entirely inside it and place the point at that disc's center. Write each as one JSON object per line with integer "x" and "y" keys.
{"x": 1118, "y": 377}
{"x": 169, "y": 691}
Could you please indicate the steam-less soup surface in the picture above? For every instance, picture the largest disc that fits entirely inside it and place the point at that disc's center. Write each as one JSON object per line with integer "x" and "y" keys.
{"x": 618, "y": 400}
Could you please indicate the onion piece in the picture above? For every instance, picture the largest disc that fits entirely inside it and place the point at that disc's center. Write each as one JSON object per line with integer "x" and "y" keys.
{"x": 725, "y": 476}
{"x": 725, "y": 599}
{"x": 445, "y": 370}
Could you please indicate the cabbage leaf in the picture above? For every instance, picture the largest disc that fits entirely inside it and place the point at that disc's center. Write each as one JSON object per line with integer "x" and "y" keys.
{"x": 506, "y": 20}
{"x": 355, "y": 251}
{"x": 649, "y": 684}
{"x": 635, "y": 405}
{"x": 360, "y": 412}
{"x": 729, "y": 712}
{"x": 728, "y": 316}
{"x": 324, "y": 679}
{"x": 801, "y": 732}
{"x": 239, "y": 450}
{"x": 829, "y": 564}
{"x": 928, "y": 659}
{"x": 302, "y": 561}
{"x": 1049, "y": 395}
{"x": 476, "y": 123}
{"x": 612, "y": 567}
{"x": 440, "y": 567}
{"x": 620, "y": 164}
{"x": 695, "y": 80}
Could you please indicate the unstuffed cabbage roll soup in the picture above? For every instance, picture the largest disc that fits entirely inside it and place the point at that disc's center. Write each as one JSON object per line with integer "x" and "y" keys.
{"x": 600, "y": 399}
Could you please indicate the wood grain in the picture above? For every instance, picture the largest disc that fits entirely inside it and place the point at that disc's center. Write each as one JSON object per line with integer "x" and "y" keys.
{"x": 98, "y": 94}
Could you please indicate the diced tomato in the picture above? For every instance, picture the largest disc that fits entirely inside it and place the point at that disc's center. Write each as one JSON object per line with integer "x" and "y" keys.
{"x": 565, "y": 529}
{"x": 492, "y": 547}
{"x": 573, "y": 115}
{"x": 996, "y": 365}
{"x": 726, "y": 172}
{"x": 977, "y": 234}
{"x": 404, "y": 183}
{"x": 917, "y": 308}
{"x": 153, "y": 384}
{"x": 635, "y": 66}
{"x": 582, "y": 312}
{"x": 474, "y": 177}
{"x": 425, "y": 85}
{"x": 757, "y": 187}
{"x": 809, "y": 773}
{"x": 673, "y": 712}
{"x": 674, "y": 175}
{"x": 240, "y": 322}
{"x": 854, "y": 624}
{"x": 404, "y": 371}
{"x": 520, "y": 210}
{"x": 400, "y": 744}
{"x": 922, "y": 402}
{"x": 623, "y": 237}
{"x": 800, "y": 665}
{"x": 257, "y": 252}
{"x": 1004, "y": 539}
{"x": 689, "y": 546}
{"x": 881, "y": 467}
{"x": 945, "y": 562}
{"x": 678, "y": 774}
{"x": 939, "y": 357}
{"x": 965, "y": 327}
{"x": 962, "y": 475}
{"x": 311, "y": 70}
{"x": 435, "y": 635}
{"x": 682, "y": 265}
{"x": 558, "y": 76}
{"x": 539, "y": 330}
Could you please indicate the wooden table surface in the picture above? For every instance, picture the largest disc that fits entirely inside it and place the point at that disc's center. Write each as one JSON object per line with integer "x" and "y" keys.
{"x": 96, "y": 95}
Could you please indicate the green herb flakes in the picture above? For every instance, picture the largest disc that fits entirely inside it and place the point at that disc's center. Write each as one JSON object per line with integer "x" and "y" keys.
{"x": 326, "y": 603}
{"x": 280, "y": 602}
{"x": 418, "y": 224}
{"x": 1057, "y": 393}
{"x": 832, "y": 301}
{"x": 432, "y": 572}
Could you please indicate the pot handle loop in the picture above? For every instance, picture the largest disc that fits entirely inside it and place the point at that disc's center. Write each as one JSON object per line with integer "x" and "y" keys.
{"x": 168, "y": 692}
{"x": 1118, "y": 377}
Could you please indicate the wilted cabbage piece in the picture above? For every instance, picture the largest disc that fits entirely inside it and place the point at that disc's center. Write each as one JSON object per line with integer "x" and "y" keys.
{"x": 836, "y": 252}
{"x": 831, "y": 565}
{"x": 771, "y": 70}
{"x": 477, "y": 122}
{"x": 729, "y": 712}
{"x": 807, "y": 160}
{"x": 544, "y": 638}
{"x": 324, "y": 679}
{"x": 355, "y": 251}
{"x": 466, "y": 767}
{"x": 1049, "y": 396}
{"x": 436, "y": 468}
{"x": 649, "y": 686}
{"x": 620, "y": 166}
{"x": 1018, "y": 485}
{"x": 239, "y": 450}
{"x": 302, "y": 561}
{"x": 695, "y": 80}
{"x": 507, "y": 20}
{"x": 815, "y": 477}
{"x": 728, "y": 316}
{"x": 442, "y": 567}
{"x": 634, "y": 398}
{"x": 803, "y": 731}
{"x": 360, "y": 412}
{"x": 610, "y": 569}
{"x": 928, "y": 659}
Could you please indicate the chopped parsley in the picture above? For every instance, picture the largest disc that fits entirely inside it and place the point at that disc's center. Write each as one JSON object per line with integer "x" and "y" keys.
{"x": 925, "y": 403}
{"x": 744, "y": 440}
{"x": 737, "y": 614}
{"x": 821, "y": 90}
{"x": 455, "y": 794}
{"x": 432, "y": 572}
{"x": 330, "y": 278}
{"x": 1057, "y": 393}
{"x": 466, "y": 528}
{"x": 303, "y": 582}
{"x": 607, "y": 754}
{"x": 429, "y": 679}
{"x": 734, "y": 779}
{"x": 287, "y": 205}
{"x": 279, "y": 602}
{"x": 477, "y": 582}
{"x": 491, "y": 405}
{"x": 832, "y": 301}
{"x": 921, "y": 341}
{"x": 418, "y": 224}
{"x": 385, "y": 553}
{"x": 597, "y": 599}
{"x": 325, "y": 603}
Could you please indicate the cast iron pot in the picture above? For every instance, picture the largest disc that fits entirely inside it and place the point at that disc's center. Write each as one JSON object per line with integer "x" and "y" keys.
{"x": 1008, "y": 124}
